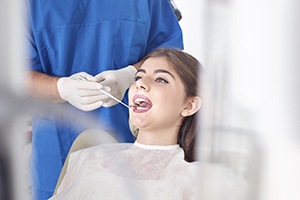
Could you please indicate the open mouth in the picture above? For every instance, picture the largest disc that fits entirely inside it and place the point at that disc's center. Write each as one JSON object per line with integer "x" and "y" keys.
{"x": 141, "y": 103}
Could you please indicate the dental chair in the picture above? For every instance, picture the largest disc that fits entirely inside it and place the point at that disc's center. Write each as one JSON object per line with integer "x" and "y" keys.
{"x": 87, "y": 138}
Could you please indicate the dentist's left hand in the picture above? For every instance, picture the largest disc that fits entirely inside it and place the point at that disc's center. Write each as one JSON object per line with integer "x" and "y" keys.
{"x": 118, "y": 81}
{"x": 84, "y": 95}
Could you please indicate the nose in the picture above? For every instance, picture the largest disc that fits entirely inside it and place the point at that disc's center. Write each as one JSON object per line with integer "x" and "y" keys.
{"x": 142, "y": 84}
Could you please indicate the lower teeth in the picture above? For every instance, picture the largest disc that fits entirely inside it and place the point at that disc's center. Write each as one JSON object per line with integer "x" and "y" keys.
{"x": 141, "y": 108}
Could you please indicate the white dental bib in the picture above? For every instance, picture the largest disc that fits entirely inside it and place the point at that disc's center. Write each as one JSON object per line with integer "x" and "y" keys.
{"x": 130, "y": 171}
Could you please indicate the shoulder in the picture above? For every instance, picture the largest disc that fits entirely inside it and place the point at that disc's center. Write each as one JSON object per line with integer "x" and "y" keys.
{"x": 213, "y": 170}
{"x": 218, "y": 181}
{"x": 210, "y": 171}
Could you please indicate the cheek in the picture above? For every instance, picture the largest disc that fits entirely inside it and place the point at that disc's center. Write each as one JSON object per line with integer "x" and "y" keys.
{"x": 168, "y": 109}
{"x": 172, "y": 100}
{"x": 130, "y": 93}
{"x": 177, "y": 106}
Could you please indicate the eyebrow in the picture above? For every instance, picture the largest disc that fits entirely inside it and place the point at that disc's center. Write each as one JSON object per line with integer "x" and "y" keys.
{"x": 156, "y": 71}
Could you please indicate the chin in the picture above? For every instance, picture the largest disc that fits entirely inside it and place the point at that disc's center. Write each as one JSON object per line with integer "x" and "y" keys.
{"x": 140, "y": 124}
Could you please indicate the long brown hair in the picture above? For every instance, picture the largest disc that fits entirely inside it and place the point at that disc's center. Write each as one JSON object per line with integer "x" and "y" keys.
{"x": 188, "y": 69}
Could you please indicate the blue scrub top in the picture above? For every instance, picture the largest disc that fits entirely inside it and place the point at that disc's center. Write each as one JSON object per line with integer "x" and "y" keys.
{"x": 70, "y": 36}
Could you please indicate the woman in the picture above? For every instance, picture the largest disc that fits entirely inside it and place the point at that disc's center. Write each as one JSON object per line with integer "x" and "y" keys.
{"x": 164, "y": 101}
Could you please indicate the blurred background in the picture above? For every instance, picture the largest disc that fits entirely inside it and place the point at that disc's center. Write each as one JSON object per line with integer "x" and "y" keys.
{"x": 251, "y": 92}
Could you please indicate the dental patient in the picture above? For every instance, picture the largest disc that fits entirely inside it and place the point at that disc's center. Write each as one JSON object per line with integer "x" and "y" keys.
{"x": 159, "y": 165}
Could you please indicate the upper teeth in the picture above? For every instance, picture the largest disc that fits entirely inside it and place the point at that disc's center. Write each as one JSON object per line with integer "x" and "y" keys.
{"x": 139, "y": 101}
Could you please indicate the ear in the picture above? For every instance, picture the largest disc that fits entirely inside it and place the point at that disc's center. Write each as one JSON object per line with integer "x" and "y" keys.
{"x": 193, "y": 104}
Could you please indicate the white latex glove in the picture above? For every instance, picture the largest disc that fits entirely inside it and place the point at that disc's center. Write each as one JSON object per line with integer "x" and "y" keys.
{"x": 118, "y": 81}
{"x": 84, "y": 95}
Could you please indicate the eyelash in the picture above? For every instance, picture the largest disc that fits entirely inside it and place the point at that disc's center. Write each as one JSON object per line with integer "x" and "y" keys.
{"x": 136, "y": 78}
{"x": 159, "y": 80}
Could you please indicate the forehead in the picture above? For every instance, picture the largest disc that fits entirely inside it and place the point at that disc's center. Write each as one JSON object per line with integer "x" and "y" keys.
{"x": 152, "y": 64}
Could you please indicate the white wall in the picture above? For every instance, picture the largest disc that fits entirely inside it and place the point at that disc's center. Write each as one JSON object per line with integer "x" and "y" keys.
{"x": 250, "y": 50}
{"x": 191, "y": 24}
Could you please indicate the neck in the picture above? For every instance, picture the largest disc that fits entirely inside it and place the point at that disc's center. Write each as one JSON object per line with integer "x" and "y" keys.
{"x": 156, "y": 138}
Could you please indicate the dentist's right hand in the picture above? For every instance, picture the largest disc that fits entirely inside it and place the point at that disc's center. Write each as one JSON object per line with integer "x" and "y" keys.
{"x": 84, "y": 95}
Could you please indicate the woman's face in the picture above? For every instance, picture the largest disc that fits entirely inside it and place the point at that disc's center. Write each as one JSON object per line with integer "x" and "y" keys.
{"x": 161, "y": 97}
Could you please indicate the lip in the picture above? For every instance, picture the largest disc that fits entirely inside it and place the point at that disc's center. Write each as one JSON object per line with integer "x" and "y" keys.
{"x": 141, "y": 109}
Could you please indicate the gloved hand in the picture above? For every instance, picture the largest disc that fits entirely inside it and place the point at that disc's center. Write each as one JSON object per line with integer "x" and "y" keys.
{"x": 84, "y": 95}
{"x": 118, "y": 81}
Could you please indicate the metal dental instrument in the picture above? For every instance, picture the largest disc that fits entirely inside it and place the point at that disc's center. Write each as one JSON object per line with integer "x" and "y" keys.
{"x": 106, "y": 93}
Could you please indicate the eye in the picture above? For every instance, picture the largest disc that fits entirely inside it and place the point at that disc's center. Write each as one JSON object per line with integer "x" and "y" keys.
{"x": 136, "y": 78}
{"x": 161, "y": 80}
